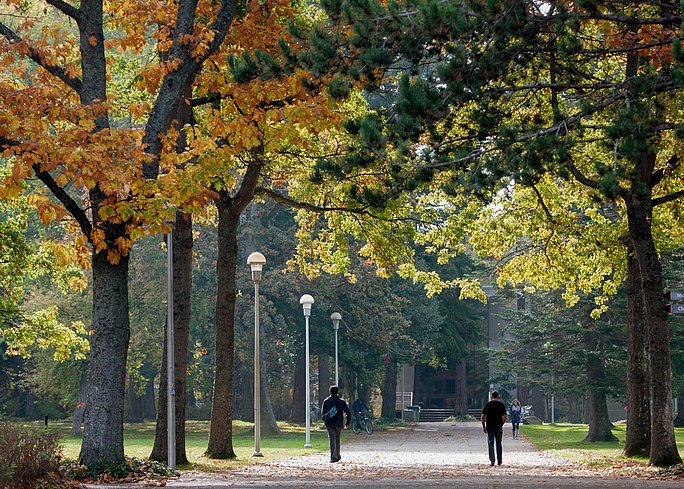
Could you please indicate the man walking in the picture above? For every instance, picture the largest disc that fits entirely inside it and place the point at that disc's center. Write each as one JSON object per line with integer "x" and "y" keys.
{"x": 333, "y": 407}
{"x": 493, "y": 418}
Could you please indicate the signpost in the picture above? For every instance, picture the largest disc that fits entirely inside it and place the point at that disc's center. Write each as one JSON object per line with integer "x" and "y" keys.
{"x": 675, "y": 295}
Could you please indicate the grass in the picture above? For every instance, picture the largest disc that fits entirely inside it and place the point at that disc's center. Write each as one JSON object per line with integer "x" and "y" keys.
{"x": 139, "y": 438}
{"x": 566, "y": 441}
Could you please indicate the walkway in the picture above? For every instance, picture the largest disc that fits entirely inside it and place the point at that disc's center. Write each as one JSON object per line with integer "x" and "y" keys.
{"x": 429, "y": 455}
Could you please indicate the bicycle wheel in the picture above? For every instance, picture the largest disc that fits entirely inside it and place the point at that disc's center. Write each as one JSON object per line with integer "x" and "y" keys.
{"x": 368, "y": 426}
{"x": 356, "y": 428}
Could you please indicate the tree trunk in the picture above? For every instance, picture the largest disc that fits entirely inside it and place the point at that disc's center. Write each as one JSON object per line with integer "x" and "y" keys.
{"x": 638, "y": 436}
{"x": 103, "y": 427}
{"x": 679, "y": 420}
{"x": 182, "y": 292}
{"x": 538, "y": 405}
{"x": 324, "y": 382}
{"x": 269, "y": 425}
{"x": 243, "y": 395}
{"x": 221, "y": 425}
{"x": 599, "y": 422}
{"x": 639, "y": 217}
{"x": 461, "y": 396}
{"x": 299, "y": 389}
{"x": 574, "y": 409}
{"x": 79, "y": 410}
{"x": 389, "y": 390}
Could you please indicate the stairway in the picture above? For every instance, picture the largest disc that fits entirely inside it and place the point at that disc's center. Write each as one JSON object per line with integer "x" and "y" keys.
{"x": 442, "y": 414}
{"x": 427, "y": 415}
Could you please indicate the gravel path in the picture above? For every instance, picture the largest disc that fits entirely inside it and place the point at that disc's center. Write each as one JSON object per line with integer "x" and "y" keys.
{"x": 427, "y": 455}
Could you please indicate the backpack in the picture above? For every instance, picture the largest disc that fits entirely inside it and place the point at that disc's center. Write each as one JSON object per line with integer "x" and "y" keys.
{"x": 330, "y": 415}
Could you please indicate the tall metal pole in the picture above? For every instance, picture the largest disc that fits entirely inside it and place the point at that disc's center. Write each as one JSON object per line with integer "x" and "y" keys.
{"x": 170, "y": 360}
{"x": 308, "y": 393}
{"x": 257, "y": 376}
{"x": 337, "y": 365}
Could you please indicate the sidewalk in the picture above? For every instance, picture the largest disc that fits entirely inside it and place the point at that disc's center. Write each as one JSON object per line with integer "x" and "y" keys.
{"x": 427, "y": 455}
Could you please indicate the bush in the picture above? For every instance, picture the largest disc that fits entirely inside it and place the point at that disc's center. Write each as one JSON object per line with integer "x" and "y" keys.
{"x": 29, "y": 457}
{"x": 128, "y": 470}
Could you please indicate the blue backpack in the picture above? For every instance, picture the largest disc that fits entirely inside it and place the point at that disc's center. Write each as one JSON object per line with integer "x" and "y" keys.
{"x": 330, "y": 415}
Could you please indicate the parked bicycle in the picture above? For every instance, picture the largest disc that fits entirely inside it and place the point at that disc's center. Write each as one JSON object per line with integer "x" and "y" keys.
{"x": 363, "y": 423}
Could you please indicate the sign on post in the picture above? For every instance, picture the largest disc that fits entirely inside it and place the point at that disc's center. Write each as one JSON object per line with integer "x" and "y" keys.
{"x": 676, "y": 308}
{"x": 675, "y": 295}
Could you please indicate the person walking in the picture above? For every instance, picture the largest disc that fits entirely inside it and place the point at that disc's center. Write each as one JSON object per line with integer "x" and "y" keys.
{"x": 493, "y": 418}
{"x": 515, "y": 416}
{"x": 334, "y": 407}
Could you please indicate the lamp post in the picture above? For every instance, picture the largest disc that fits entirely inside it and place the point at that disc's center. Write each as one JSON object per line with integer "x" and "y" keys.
{"x": 336, "y": 317}
{"x": 170, "y": 360}
{"x": 307, "y": 301}
{"x": 256, "y": 261}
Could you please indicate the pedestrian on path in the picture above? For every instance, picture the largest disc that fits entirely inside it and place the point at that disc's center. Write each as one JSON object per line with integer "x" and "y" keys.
{"x": 515, "y": 415}
{"x": 333, "y": 409}
{"x": 493, "y": 418}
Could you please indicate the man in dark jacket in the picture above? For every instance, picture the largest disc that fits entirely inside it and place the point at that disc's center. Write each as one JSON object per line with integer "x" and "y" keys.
{"x": 336, "y": 423}
{"x": 493, "y": 418}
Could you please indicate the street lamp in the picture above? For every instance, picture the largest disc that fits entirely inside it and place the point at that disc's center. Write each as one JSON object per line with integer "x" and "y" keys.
{"x": 336, "y": 316}
{"x": 170, "y": 360}
{"x": 307, "y": 301}
{"x": 256, "y": 261}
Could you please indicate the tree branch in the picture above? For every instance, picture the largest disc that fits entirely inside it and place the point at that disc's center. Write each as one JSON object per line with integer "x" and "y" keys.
{"x": 667, "y": 198}
{"x": 70, "y": 204}
{"x": 658, "y": 175}
{"x": 55, "y": 70}
{"x": 65, "y": 8}
{"x": 283, "y": 199}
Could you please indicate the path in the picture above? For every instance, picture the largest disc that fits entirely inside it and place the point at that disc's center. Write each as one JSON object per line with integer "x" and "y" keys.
{"x": 429, "y": 455}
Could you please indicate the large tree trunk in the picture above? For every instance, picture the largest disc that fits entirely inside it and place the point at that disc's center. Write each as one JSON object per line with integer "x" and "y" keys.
{"x": 639, "y": 217}
{"x": 221, "y": 425}
{"x": 679, "y": 420}
{"x": 103, "y": 433}
{"x": 299, "y": 389}
{"x": 461, "y": 396}
{"x": 638, "y": 436}
{"x": 141, "y": 407}
{"x": 538, "y": 404}
{"x": 323, "y": 377}
{"x": 269, "y": 425}
{"x": 182, "y": 292}
{"x": 599, "y": 422}
{"x": 389, "y": 390}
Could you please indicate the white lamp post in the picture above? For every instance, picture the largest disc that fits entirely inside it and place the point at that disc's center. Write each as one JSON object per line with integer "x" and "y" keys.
{"x": 336, "y": 317}
{"x": 307, "y": 301}
{"x": 170, "y": 360}
{"x": 256, "y": 261}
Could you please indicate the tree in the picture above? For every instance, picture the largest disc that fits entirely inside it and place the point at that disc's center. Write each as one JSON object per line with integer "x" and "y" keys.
{"x": 58, "y": 125}
{"x": 502, "y": 92}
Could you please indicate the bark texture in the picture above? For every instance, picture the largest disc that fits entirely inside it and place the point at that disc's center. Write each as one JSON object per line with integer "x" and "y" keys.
{"x": 182, "y": 291}
{"x": 461, "y": 392}
{"x": 599, "y": 422}
{"x": 324, "y": 375}
{"x": 103, "y": 428}
{"x": 638, "y": 436}
{"x": 389, "y": 390}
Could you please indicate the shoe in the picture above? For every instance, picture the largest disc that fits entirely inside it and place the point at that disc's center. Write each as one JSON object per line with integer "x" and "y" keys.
{"x": 492, "y": 464}
{"x": 499, "y": 463}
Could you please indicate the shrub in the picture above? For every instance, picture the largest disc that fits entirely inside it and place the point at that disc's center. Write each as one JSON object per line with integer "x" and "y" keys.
{"x": 28, "y": 457}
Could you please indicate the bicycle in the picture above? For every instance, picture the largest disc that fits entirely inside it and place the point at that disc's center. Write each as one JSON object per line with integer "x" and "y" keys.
{"x": 365, "y": 423}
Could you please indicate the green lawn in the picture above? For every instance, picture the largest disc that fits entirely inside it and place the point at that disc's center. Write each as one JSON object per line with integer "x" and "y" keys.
{"x": 139, "y": 438}
{"x": 565, "y": 440}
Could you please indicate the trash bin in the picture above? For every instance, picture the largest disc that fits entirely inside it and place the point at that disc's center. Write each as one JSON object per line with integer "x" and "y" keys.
{"x": 412, "y": 413}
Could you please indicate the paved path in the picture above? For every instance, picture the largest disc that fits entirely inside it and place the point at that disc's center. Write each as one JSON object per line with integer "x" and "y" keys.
{"x": 429, "y": 455}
